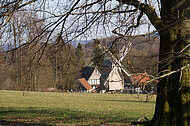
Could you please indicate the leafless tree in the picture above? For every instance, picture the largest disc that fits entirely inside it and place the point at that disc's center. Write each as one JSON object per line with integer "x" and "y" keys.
{"x": 126, "y": 18}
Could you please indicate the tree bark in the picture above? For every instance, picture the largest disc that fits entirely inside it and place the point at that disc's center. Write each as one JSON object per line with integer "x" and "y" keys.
{"x": 173, "y": 100}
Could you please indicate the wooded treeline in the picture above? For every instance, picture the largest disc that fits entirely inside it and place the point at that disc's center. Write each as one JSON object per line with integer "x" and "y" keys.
{"x": 57, "y": 68}
{"x": 27, "y": 69}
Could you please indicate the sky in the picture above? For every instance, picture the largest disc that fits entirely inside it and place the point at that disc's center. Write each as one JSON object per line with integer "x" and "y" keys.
{"x": 74, "y": 24}
{"x": 103, "y": 27}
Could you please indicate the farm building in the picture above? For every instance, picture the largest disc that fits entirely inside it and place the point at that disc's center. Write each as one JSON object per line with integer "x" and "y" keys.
{"x": 136, "y": 82}
{"x": 140, "y": 79}
{"x": 111, "y": 78}
{"x": 92, "y": 76}
{"x": 84, "y": 85}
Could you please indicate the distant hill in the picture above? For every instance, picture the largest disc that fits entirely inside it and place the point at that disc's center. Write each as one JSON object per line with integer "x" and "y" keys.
{"x": 75, "y": 43}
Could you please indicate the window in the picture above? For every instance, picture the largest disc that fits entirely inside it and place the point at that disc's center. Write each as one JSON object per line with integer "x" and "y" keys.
{"x": 98, "y": 81}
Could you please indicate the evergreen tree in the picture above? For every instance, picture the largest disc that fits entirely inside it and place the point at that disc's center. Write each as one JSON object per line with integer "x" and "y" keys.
{"x": 65, "y": 60}
{"x": 79, "y": 52}
{"x": 98, "y": 55}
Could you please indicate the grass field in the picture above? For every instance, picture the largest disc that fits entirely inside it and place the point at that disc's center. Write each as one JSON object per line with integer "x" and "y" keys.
{"x": 48, "y": 108}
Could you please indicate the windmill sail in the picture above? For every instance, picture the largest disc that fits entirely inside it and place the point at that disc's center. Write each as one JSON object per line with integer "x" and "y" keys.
{"x": 117, "y": 63}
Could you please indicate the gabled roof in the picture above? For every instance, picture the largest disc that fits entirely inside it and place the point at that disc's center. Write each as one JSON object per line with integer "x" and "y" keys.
{"x": 140, "y": 79}
{"x": 108, "y": 61}
{"x": 86, "y": 72}
{"x": 85, "y": 83}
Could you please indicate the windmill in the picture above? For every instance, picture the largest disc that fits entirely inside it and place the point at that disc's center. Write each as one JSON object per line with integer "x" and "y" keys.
{"x": 116, "y": 81}
{"x": 138, "y": 80}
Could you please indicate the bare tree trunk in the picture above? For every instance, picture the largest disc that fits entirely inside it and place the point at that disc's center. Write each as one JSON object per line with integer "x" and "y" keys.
{"x": 173, "y": 100}
{"x": 20, "y": 59}
{"x": 55, "y": 84}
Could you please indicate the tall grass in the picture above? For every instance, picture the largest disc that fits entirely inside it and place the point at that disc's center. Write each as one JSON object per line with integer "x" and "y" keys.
{"x": 72, "y": 108}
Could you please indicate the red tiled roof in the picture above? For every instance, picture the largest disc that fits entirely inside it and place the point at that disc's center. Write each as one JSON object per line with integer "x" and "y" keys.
{"x": 85, "y": 83}
{"x": 140, "y": 79}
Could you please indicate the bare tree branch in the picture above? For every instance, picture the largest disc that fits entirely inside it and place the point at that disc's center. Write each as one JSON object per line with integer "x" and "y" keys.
{"x": 148, "y": 10}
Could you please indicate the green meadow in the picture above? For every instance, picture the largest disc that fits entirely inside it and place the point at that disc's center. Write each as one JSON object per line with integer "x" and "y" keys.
{"x": 52, "y": 108}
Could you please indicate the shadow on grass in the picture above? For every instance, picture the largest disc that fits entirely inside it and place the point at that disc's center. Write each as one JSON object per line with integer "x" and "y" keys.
{"x": 18, "y": 123}
{"x": 137, "y": 101}
{"x": 44, "y": 117}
